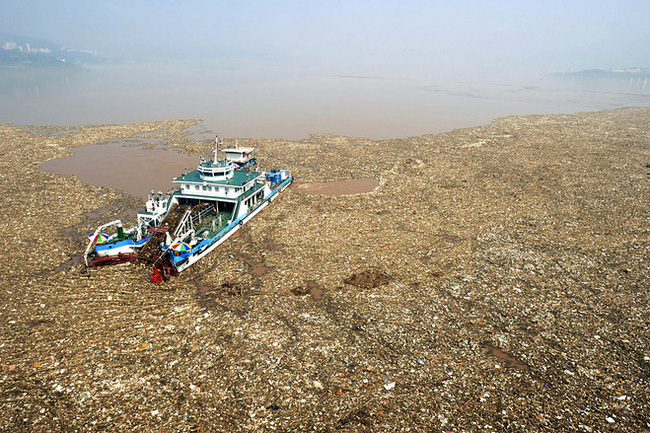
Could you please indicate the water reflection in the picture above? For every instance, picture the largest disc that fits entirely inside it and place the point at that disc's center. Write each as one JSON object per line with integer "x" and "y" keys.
{"x": 23, "y": 84}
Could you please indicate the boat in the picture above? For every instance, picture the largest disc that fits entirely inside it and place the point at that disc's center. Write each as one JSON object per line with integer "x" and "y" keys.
{"x": 209, "y": 205}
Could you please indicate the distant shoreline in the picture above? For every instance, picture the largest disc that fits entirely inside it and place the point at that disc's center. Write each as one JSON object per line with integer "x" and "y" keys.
{"x": 58, "y": 129}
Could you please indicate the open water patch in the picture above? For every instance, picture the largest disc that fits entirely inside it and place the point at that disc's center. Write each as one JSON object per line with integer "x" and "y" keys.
{"x": 124, "y": 166}
{"x": 341, "y": 187}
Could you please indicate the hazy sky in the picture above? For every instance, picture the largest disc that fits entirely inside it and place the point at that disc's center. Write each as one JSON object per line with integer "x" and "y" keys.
{"x": 463, "y": 39}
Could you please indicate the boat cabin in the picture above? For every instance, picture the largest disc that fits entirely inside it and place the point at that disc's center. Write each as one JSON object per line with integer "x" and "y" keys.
{"x": 219, "y": 181}
{"x": 242, "y": 156}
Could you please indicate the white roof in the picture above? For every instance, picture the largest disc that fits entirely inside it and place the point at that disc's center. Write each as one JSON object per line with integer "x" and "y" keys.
{"x": 239, "y": 150}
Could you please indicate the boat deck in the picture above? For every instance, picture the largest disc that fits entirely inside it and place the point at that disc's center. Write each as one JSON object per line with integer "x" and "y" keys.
{"x": 212, "y": 224}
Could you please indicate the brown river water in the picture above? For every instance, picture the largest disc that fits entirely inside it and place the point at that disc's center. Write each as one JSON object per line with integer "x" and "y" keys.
{"x": 138, "y": 171}
{"x": 134, "y": 170}
{"x": 242, "y": 103}
{"x": 341, "y": 187}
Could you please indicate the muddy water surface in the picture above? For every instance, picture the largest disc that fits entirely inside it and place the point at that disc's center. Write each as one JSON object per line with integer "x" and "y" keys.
{"x": 134, "y": 170}
{"x": 341, "y": 187}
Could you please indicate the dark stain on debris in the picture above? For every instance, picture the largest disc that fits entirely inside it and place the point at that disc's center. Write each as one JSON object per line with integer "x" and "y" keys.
{"x": 451, "y": 238}
{"x": 229, "y": 289}
{"x": 209, "y": 297}
{"x": 317, "y": 293}
{"x": 511, "y": 360}
{"x": 259, "y": 269}
{"x": 369, "y": 278}
{"x": 68, "y": 264}
{"x": 124, "y": 210}
{"x": 299, "y": 291}
{"x": 357, "y": 416}
{"x": 272, "y": 246}
{"x": 39, "y": 322}
{"x": 312, "y": 288}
